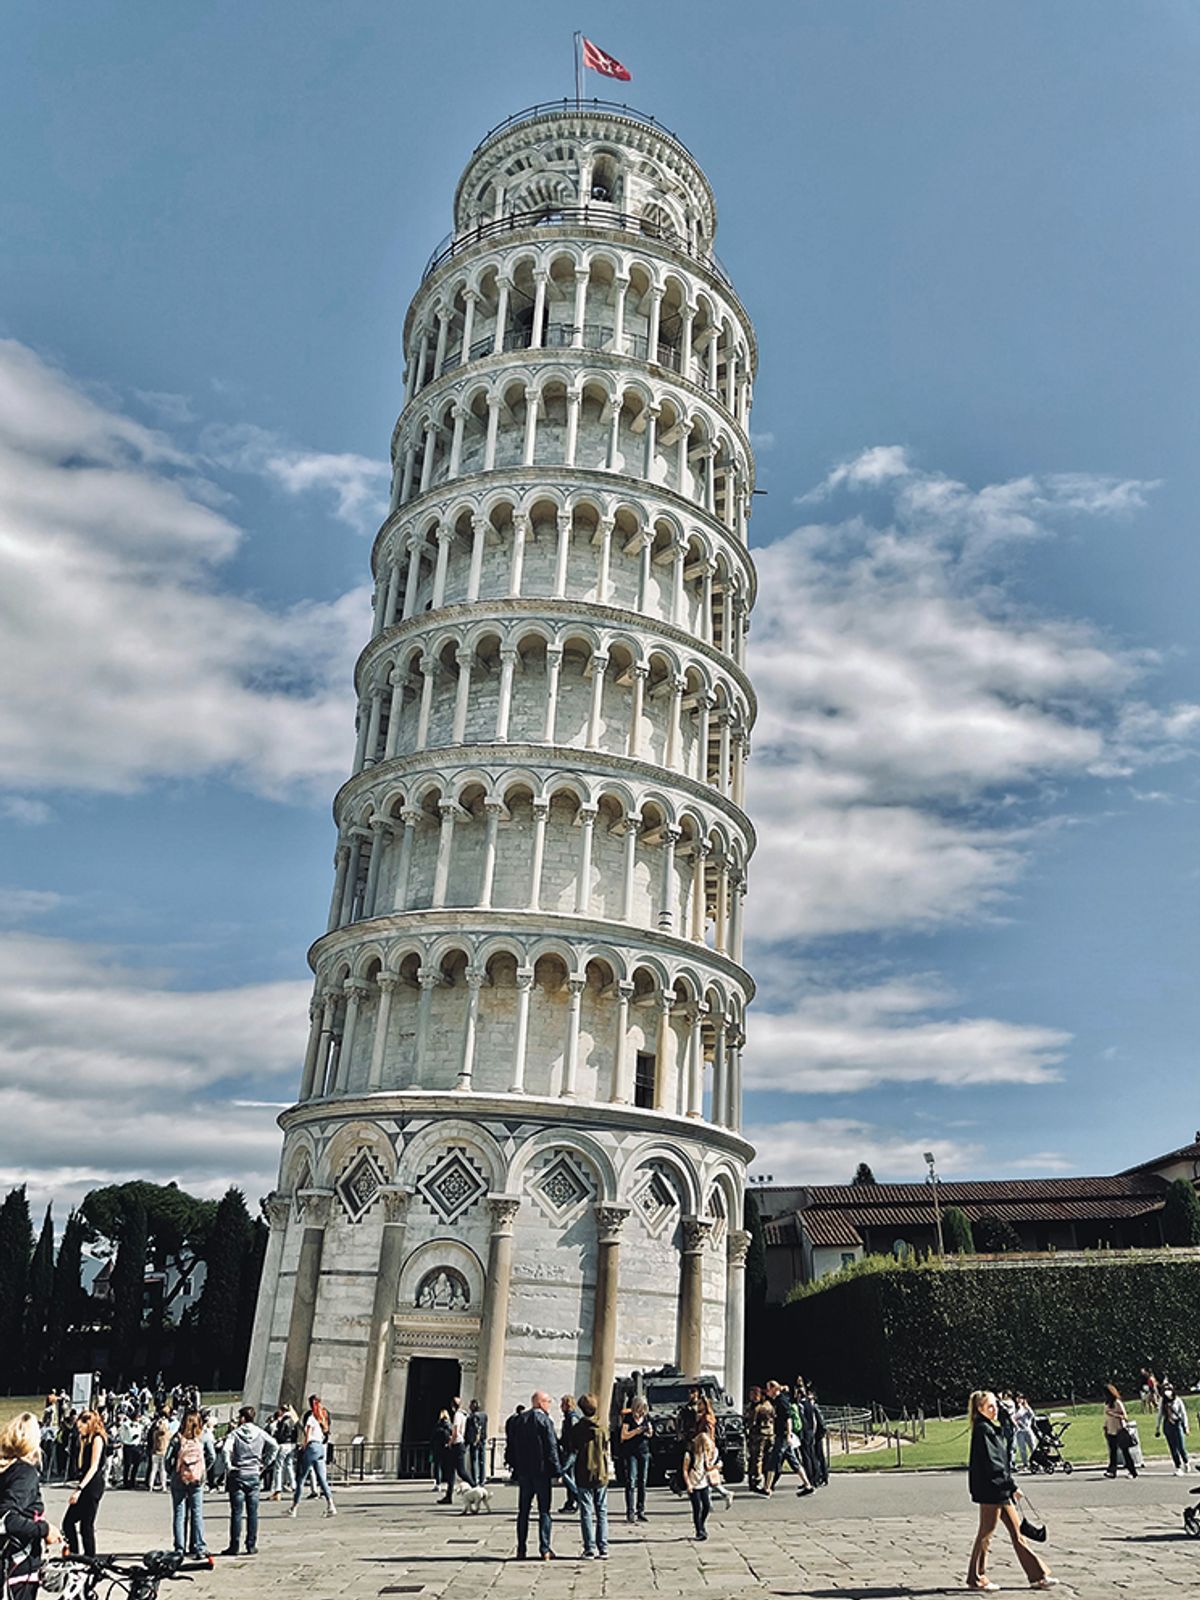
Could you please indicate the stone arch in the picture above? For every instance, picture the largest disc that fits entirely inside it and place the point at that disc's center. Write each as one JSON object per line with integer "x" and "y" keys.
{"x": 345, "y": 1144}
{"x": 579, "y": 1143}
{"x": 675, "y": 1161}
{"x": 435, "y": 1255}
{"x": 441, "y": 1135}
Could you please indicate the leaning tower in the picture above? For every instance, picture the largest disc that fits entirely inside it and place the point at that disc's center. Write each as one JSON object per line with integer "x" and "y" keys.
{"x": 516, "y": 1159}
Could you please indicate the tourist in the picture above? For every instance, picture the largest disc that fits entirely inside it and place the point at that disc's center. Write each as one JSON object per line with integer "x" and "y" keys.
{"x": 589, "y": 1446}
{"x": 48, "y": 1437}
{"x": 570, "y": 1416}
{"x": 79, "y": 1524}
{"x": 1023, "y": 1435}
{"x": 701, "y": 1468}
{"x": 476, "y": 1437}
{"x": 442, "y": 1452}
{"x": 456, "y": 1457}
{"x": 188, "y": 1462}
{"x": 535, "y": 1452}
{"x": 760, "y": 1432}
{"x": 636, "y": 1433}
{"x": 286, "y": 1431}
{"x": 1173, "y": 1425}
{"x": 1116, "y": 1432}
{"x": 132, "y": 1438}
{"x": 157, "y": 1440}
{"x": 250, "y": 1449}
{"x": 24, "y": 1530}
{"x": 510, "y": 1428}
{"x": 314, "y": 1431}
{"x": 990, "y": 1480}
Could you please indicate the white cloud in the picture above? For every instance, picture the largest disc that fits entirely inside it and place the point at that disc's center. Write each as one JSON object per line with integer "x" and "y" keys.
{"x": 134, "y": 1078}
{"x": 908, "y": 701}
{"x": 843, "y": 1041}
{"x": 357, "y": 484}
{"x": 121, "y": 658}
{"x": 828, "y": 1149}
{"x": 28, "y": 812}
{"x": 18, "y": 905}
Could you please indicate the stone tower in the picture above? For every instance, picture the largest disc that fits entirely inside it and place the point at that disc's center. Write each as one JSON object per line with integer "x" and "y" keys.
{"x": 515, "y": 1160}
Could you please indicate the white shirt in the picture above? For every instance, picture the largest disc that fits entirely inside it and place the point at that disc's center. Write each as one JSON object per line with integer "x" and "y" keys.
{"x": 458, "y": 1427}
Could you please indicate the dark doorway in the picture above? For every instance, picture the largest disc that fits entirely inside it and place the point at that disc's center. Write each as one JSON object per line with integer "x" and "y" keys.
{"x": 433, "y": 1383}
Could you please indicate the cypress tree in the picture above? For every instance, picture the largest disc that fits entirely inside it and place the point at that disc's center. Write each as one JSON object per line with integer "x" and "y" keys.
{"x": 129, "y": 1288}
{"x": 219, "y": 1311}
{"x": 16, "y": 1250}
{"x": 1181, "y": 1214}
{"x": 956, "y": 1232}
{"x": 862, "y": 1174}
{"x": 41, "y": 1292}
{"x": 66, "y": 1300}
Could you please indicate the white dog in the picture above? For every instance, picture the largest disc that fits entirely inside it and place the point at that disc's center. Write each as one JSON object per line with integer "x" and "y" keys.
{"x": 474, "y": 1500}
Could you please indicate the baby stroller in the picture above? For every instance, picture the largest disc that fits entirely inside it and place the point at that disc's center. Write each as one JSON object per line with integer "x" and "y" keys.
{"x": 1191, "y": 1519}
{"x": 1047, "y": 1454}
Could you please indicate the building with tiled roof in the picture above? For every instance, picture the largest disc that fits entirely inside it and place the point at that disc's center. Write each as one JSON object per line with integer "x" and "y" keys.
{"x": 810, "y": 1231}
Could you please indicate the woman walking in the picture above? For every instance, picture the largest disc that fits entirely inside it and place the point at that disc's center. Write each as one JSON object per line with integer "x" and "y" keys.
{"x": 1173, "y": 1425}
{"x": 1116, "y": 1431}
{"x": 314, "y": 1430}
{"x": 636, "y": 1429}
{"x": 189, "y": 1462}
{"x": 79, "y": 1524}
{"x": 23, "y": 1527}
{"x": 701, "y": 1469}
{"x": 993, "y": 1490}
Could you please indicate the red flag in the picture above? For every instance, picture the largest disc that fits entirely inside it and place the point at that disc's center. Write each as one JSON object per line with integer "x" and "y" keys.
{"x": 608, "y": 66}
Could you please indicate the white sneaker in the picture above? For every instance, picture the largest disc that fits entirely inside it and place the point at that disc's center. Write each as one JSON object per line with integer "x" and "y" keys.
{"x": 1046, "y": 1583}
{"x": 292, "y": 1511}
{"x": 330, "y": 1509}
{"x": 1179, "y": 1471}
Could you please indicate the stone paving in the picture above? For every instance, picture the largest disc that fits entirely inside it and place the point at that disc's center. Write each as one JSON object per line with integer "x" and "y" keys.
{"x": 865, "y": 1537}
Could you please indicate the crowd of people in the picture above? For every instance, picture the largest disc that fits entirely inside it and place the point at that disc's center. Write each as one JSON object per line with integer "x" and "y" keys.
{"x": 785, "y": 1429}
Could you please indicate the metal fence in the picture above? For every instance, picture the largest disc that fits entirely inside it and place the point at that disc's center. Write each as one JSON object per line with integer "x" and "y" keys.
{"x": 362, "y": 1460}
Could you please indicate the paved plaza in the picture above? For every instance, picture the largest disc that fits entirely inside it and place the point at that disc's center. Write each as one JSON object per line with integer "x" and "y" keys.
{"x": 865, "y": 1537}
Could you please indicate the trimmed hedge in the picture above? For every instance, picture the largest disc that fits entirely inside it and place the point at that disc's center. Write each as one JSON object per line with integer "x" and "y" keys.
{"x": 911, "y": 1335}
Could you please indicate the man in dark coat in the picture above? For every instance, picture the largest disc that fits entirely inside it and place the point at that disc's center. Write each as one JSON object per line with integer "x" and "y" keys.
{"x": 537, "y": 1463}
{"x": 510, "y": 1430}
{"x": 475, "y": 1437}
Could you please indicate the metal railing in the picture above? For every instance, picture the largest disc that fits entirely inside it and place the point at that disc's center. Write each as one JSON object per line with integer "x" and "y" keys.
{"x": 599, "y": 215}
{"x": 546, "y": 108}
{"x": 364, "y": 1459}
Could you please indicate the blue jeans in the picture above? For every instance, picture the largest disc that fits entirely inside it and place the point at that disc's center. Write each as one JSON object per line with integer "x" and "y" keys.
{"x": 701, "y": 1506}
{"x": 243, "y": 1492}
{"x": 593, "y": 1517}
{"x": 312, "y": 1457}
{"x": 477, "y": 1455}
{"x": 1174, "y": 1435}
{"x": 530, "y": 1489}
{"x": 637, "y": 1470}
{"x": 187, "y": 1499}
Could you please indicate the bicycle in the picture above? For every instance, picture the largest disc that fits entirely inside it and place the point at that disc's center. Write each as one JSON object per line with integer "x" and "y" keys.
{"x": 105, "y": 1578}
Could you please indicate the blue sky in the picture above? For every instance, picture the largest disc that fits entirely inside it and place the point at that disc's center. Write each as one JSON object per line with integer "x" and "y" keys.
{"x": 967, "y": 236}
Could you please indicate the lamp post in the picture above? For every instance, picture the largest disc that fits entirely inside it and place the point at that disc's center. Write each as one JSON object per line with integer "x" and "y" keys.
{"x": 932, "y": 1181}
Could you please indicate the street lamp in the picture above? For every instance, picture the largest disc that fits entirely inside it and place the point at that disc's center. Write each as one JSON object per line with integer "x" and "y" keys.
{"x": 932, "y": 1181}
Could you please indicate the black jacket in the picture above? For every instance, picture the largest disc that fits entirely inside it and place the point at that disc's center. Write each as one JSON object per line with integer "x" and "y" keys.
{"x": 989, "y": 1473}
{"x": 475, "y": 1431}
{"x": 534, "y": 1447}
{"x": 21, "y": 1505}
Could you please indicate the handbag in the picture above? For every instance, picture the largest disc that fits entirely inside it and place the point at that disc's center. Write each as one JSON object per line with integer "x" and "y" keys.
{"x": 1035, "y": 1532}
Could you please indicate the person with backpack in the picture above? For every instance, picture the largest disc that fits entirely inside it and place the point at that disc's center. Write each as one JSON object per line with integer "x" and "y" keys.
{"x": 251, "y": 1451}
{"x": 79, "y": 1524}
{"x": 314, "y": 1431}
{"x": 701, "y": 1469}
{"x": 24, "y": 1530}
{"x": 189, "y": 1461}
{"x": 589, "y": 1445}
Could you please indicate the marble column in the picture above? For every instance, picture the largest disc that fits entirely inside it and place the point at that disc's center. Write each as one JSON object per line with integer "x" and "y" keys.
{"x": 493, "y": 1326}
{"x": 735, "y": 1312}
{"x": 622, "y": 1089}
{"x": 371, "y": 1425}
{"x": 691, "y": 1295}
{"x": 575, "y": 988}
{"x": 475, "y": 977}
{"x": 276, "y": 1210}
{"x": 388, "y": 984}
{"x": 609, "y": 1221}
{"x": 315, "y": 1208}
{"x": 541, "y": 812}
{"x": 521, "y": 1036}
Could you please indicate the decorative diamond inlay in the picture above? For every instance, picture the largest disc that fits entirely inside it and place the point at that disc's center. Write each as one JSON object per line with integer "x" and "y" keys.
{"x": 656, "y": 1202}
{"x": 715, "y": 1211}
{"x": 561, "y": 1188}
{"x": 359, "y": 1186}
{"x": 452, "y": 1185}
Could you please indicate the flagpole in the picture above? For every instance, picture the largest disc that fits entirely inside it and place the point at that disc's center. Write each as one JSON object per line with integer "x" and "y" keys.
{"x": 578, "y": 73}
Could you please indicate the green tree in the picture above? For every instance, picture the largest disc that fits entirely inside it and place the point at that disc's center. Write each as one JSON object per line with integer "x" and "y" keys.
{"x": 129, "y": 1287}
{"x": 862, "y": 1174}
{"x": 956, "y": 1232}
{"x": 41, "y": 1292}
{"x": 218, "y": 1314}
{"x": 16, "y": 1249}
{"x": 1181, "y": 1214}
{"x": 756, "y": 1259}
{"x": 994, "y": 1236}
{"x": 66, "y": 1301}
{"x": 178, "y": 1225}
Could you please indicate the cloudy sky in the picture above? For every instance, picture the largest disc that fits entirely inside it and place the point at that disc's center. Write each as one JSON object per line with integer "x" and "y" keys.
{"x": 967, "y": 236}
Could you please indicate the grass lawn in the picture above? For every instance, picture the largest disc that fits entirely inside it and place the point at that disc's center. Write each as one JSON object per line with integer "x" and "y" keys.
{"x": 947, "y": 1441}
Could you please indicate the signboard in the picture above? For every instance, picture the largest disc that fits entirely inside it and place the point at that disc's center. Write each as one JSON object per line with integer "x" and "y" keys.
{"x": 81, "y": 1391}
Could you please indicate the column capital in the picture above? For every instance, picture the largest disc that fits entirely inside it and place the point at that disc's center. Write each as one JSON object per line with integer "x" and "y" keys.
{"x": 411, "y": 816}
{"x": 600, "y": 662}
{"x": 504, "y": 1208}
{"x": 473, "y": 296}
{"x": 609, "y": 1221}
{"x": 451, "y": 808}
{"x": 445, "y": 532}
{"x": 576, "y": 984}
{"x": 737, "y": 1247}
{"x": 524, "y": 978}
{"x": 509, "y": 652}
{"x": 626, "y": 989}
{"x": 482, "y": 524}
{"x": 666, "y": 999}
{"x": 671, "y": 834}
{"x": 565, "y": 520}
{"x": 696, "y": 1232}
{"x": 429, "y": 977}
{"x": 387, "y": 982}
{"x": 541, "y": 809}
{"x": 679, "y": 685}
{"x": 355, "y": 989}
{"x": 475, "y": 977}
{"x": 495, "y": 807}
{"x": 315, "y": 1206}
{"x": 554, "y": 655}
{"x": 276, "y": 1208}
{"x": 582, "y": 274}
{"x": 640, "y": 671}
{"x": 520, "y": 520}
{"x": 587, "y": 814}
{"x": 395, "y": 1203}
